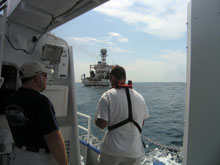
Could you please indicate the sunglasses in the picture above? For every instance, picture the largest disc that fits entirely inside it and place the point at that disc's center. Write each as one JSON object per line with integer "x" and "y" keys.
{"x": 43, "y": 74}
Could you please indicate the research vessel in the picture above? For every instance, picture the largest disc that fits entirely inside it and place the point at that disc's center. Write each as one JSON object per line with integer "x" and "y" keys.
{"x": 99, "y": 73}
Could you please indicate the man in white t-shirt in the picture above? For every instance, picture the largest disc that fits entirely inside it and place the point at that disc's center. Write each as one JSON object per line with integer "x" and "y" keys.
{"x": 123, "y": 110}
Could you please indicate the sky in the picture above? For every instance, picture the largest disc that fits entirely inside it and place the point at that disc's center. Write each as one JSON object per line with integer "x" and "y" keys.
{"x": 146, "y": 37}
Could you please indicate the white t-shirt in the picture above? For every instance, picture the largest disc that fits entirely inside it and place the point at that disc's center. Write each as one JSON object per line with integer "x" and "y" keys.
{"x": 124, "y": 141}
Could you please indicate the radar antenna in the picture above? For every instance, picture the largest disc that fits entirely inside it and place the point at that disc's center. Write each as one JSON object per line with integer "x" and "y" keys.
{"x": 103, "y": 55}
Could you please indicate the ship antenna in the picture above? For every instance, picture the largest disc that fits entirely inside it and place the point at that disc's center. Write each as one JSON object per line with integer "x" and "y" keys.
{"x": 103, "y": 55}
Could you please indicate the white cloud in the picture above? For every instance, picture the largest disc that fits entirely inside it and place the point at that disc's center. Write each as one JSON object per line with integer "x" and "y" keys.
{"x": 86, "y": 44}
{"x": 167, "y": 66}
{"x": 118, "y": 36}
{"x": 170, "y": 66}
{"x": 118, "y": 50}
{"x": 87, "y": 40}
{"x": 165, "y": 19}
{"x": 108, "y": 40}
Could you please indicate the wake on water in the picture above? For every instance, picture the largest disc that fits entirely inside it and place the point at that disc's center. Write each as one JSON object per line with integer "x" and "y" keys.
{"x": 160, "y": 155}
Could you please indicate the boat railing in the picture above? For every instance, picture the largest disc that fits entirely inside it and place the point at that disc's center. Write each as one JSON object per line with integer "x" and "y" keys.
{"x": 88, "y": 151}
{"x": 91, "y": 147}
{"x": 88, "y": 129}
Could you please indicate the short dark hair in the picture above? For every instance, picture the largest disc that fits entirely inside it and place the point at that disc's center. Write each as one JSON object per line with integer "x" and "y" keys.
{"x": 118, "y": 72}
{"x": 24, "y": 80}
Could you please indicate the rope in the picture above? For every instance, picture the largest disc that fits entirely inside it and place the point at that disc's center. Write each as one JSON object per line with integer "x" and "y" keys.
{"x": 169, "y": 148}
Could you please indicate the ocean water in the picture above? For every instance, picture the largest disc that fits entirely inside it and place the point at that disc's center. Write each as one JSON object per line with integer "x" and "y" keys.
{"x": 166, "y": 104}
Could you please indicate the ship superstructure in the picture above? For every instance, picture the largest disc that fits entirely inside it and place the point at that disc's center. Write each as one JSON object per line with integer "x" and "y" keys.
{"x": 99, "y": 73}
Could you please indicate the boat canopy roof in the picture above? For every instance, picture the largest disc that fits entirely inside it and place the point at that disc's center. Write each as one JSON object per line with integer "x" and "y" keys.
{"x": 51, "y": 13}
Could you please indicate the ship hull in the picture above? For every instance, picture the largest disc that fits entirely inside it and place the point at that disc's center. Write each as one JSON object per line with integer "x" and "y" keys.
{"x": 102, "y": 82}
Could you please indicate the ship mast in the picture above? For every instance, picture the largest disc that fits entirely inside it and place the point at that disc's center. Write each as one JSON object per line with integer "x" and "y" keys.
{"x": 103, "y": 55}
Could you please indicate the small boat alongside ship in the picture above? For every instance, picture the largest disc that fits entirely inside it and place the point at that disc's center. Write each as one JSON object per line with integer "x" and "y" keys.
{"x": 99, "y": 73}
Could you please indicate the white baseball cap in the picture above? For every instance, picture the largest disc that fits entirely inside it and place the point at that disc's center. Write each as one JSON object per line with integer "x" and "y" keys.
{"x": 32, "y": 68}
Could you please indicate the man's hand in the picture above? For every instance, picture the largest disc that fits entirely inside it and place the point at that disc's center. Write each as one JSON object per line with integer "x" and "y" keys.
{"x": 56, "y": 146}
{"x": 101, "y": 123}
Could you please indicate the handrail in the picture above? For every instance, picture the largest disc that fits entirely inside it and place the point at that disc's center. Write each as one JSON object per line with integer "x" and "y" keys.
{"x": 90, "y": 147}
{"x": 88, "y": 130}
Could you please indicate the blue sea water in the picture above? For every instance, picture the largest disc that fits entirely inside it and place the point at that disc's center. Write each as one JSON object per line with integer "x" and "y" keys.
{"x": 166, "y": 104}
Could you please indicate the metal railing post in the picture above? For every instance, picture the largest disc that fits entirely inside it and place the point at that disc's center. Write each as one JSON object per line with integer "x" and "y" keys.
{"x": 88, "y": 129}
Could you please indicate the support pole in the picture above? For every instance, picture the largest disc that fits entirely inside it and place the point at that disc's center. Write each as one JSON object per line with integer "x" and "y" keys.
{"x": 2, "y": 43}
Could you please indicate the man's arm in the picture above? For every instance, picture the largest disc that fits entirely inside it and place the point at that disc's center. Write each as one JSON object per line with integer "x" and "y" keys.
{"x": 56, "y": 146}
{"x": 101, "y": 123}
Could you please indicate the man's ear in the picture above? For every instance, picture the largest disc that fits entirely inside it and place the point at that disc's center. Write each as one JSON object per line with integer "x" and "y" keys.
{"x": 37, "y": 78}
{"x": 114, "y": 80}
